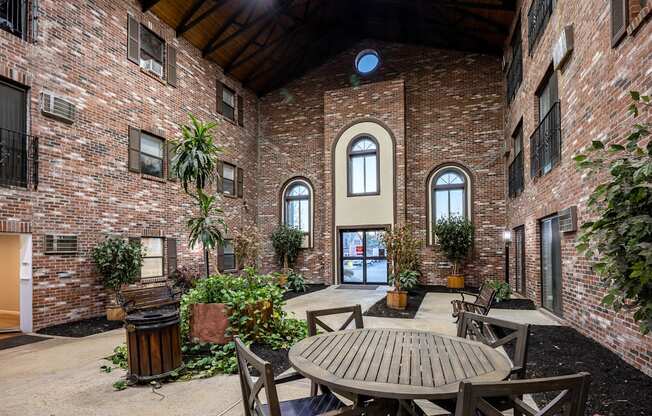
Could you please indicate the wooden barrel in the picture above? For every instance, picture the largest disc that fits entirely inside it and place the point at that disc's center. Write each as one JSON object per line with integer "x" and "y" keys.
{"x": 154, "y": 344}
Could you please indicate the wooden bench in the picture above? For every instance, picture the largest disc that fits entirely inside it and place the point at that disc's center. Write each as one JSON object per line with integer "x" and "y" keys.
{"x": 143, "y": 298}
{"x": 481, "y": 305}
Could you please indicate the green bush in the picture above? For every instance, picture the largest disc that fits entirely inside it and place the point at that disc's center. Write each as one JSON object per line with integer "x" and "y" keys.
{"x": 403, "y": 249}
{"x": 503, "y": 290}
{"x": 455, "y": 239}
{"x": 408, "y": 279}
{"x": 296, "y": 282}
{"x": 287, "y": 243}
{"x": 118, "y": 261}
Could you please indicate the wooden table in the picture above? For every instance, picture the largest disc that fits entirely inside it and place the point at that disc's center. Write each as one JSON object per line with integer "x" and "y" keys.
{"x": 396, "y": 363}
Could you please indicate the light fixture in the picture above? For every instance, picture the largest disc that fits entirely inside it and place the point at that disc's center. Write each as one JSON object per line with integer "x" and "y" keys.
{"x": 507, "y": 236}
{"x": 367, "y": 62}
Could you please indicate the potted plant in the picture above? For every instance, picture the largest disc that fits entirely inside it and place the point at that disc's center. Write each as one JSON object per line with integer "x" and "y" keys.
{"x": 119, "y": 262}
{"x": 402, "y": 249}
{"x": 246, "y": 244}
{"x": 287, "y": 242}
{"x": 455, "y": 238}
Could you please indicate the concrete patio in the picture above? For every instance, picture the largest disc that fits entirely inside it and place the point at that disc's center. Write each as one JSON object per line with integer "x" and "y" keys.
{"x": 61, "y": 376}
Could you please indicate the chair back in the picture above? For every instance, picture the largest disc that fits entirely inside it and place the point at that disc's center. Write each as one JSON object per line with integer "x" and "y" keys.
{"x": 355, "y": 315}
{"x": 571, "y": 400}
{"x": 495, "y": 333}
{"x": 486, "y": 296}
{"x": 250, "y": 388}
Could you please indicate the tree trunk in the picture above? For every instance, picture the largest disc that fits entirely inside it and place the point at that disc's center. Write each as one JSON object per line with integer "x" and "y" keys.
{"x": 285, "y": 263}
{"x": 206, "y": 261}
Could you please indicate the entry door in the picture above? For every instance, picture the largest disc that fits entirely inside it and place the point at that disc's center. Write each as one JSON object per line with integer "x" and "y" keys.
{"x": 362, "y": 257}
{"x": 519, "y": 261}
{"x": 551, "y": 265}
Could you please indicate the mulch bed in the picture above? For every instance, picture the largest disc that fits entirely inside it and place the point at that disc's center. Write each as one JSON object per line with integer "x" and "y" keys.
{"x": 616, "y": 389}
{"x": 278, "y": 358}
{"x": 18, "y": 340}
{"x": 520, "y": 304}
{"x": 83, "y": 328}
{"x": 415, "y": 297}
{"x": 310, "y": 288}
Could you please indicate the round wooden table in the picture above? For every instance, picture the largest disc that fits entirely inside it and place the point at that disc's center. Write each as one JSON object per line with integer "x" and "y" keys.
{"x": 398, "y": 364}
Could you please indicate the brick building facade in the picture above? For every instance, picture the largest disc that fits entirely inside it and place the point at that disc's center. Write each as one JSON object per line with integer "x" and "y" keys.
{"x": 440, "y": 108}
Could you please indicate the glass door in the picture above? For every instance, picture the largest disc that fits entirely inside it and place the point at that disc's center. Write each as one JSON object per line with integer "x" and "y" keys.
{"x": 362, "y": 257}
{"x": 519, "y": 260}
{"x": 551, "y": 265}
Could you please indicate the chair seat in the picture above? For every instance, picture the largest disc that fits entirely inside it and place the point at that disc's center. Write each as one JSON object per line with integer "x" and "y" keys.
{"x": 308, "y": 406}
{"x": 500, "y": 403}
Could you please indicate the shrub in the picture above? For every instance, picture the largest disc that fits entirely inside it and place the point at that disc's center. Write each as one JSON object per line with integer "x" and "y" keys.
{"x": 455, "y": 239}
{"x": 503, "y": 290}
{"x": 246, "y": 244}
{"x": 402, "y": 251}
{"x": 619, "y": 239}
{"x": 408, "y": 279}
{"x": 287, "y": 243}
{"x": 184, "y": 279}
{"x": 118, "y": 261}
{"x": 296, "y": 282}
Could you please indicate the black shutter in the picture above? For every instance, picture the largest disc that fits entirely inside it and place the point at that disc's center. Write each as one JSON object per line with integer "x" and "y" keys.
{"x": 219, "y": 87}
{"x": 534, "y": 157}
{"x": 135, "y": 240}
{"x": 134, "y": 149}
{"x": 220, "y": 258}
{"x": 240, "y": 111}
{"x": 171, "y": 255}
{"x": 169, "y": 146}
{"x": 240, "y": 182}
{"x": 619, "y": 18}
{"x": 133, "y": 41}
{"x": 172, "y": 66}
{"x": 220, "y": 173}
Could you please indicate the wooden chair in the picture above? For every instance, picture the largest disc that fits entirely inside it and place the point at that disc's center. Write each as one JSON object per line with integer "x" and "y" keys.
{"x": 314, "y": 321}
{"x": 481, "y": 305}
{"x": 475, "y": 398}
{"x": 309, "y": 406}
{"x": 143, "y": 298}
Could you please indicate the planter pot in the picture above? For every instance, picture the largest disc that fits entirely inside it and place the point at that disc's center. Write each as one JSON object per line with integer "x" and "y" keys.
{"x": 456, "y": 282}
{"x": 209, "y": 322}
{"x": 397, "y": 299}
{"x": 282, "y": 280}
{"x": 115, "y": 313}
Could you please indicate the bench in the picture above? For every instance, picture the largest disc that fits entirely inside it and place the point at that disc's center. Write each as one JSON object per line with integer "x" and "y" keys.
{"x": 142, "y": 298}
{"x": 481, "y": 305}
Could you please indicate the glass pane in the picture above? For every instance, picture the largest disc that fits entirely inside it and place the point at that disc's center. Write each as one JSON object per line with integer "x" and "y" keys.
{"x": 456, "y": 202}
{"x": 152, "y": 267}
{"x": 151, "y": 165}
{"x": 377, "y": 271}
{"x": 228, "y": 172}
{"x": 362, "y": 145}
{"x": 298, "y": 190}
{"x": 229, "y": 262}
{"x": 305, "y": 215}
{"x": 352, "y": 244}
{"x": 352, "y": 271}
{"x": 441, "y": 204}
{"x": 228, "y": 97}
{"x": 370, "y": 173}
{"x": 228, "y": 247}
{"x": 375, "y": 246}
{"x": 292, "y": 216}
{"x": 228, "y": 111}
{"x": 228, "y": 186}
{"x": 151, "y": 44}
{"x": 357, "y": 175}
{"x": 152, "y": 247}
{"x": 546, "y": 264}
{"x": 151, "y": 145}
{"x": 450, "y": 178}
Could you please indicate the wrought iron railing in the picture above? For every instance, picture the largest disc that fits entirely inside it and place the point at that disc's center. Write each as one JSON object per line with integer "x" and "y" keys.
{"x": 545, "y": 143}
{"x": 13, "y": 17}
{"x": 537, "y": 19}
{"x": 18, "y": 159}
{"x": 515, "y": 72}
{"x": 516, "y": 175}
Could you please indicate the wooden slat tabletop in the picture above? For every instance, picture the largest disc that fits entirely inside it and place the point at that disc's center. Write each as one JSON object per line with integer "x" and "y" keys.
{"x": 396, "y": 363}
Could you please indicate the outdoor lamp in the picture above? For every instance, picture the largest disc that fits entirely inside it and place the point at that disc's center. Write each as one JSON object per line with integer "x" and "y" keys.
{"x": 507, "y": 237}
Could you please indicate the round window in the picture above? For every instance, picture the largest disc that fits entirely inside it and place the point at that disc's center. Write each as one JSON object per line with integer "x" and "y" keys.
{"x": 367, "y": 61}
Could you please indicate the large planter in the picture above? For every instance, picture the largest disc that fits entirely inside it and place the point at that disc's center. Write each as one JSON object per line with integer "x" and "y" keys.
{"x": 456, "y": 282}
{"x": 115, "y": 313}
{"x": 397, "y": 299}
{"x": 209, "y": 322}
{"x": 282, "y": 279}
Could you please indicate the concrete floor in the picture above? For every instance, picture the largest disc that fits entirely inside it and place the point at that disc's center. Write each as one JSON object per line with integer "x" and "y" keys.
{"x": 61, "y": 376}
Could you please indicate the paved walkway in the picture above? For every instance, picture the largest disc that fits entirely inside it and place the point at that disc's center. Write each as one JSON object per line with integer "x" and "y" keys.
{"x": 61, "y": 376}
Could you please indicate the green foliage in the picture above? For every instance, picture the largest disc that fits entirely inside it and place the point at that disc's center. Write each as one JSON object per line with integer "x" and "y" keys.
{"x": 503, "y": 290}
{"x": 455, "y": 239}
{"x": 408, "y": 279}
{"x": 184, "y": 278}
{"x": 619, "y": 239}
{"x": 119, "y": 357}
{"x": 296, "y": 282}
{"x": 118, "y": 261}
{"x": 402, "y": 248}
{"x": 207, "y": 226}
{"x": 287, "y": 243}
{"x": 120, "y": 385}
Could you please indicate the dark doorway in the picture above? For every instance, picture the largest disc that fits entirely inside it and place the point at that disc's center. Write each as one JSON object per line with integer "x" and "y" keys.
{"x": 13, "y": 142}
{"x": 362, "y": 257}
{"x": 519, "y": 259}
{"x": 551, "y": 265}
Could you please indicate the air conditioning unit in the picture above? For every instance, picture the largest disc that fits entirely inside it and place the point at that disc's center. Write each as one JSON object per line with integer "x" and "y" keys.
{"x": 152, "y": 66}
{"x": 57, "y": 107}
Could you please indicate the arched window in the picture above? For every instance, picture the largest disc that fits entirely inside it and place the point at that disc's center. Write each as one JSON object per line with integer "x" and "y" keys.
{"x": 449, "y": 194}
{"x": 363, "y": 167}
{"x": 297, "y": 208}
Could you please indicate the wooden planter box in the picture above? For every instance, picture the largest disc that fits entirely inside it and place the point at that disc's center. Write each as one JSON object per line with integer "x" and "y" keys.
{"x": 210, "y": 321}
{"x": 397, "y": 299}
{"x": 456, "y": 282}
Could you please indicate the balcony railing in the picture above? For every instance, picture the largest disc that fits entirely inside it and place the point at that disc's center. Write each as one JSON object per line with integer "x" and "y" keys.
{"x": 515, "y": 73}
{"x": 516, "y": 176}
{"x": 13, "y": 17}
{"x": 545, "y": 143}
{"x": 537, "y": 19}
{"x": 18, "y": 159}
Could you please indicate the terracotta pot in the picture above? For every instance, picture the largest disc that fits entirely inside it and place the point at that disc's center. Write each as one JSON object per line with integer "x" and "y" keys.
{"x": 397, "y": 299}
{"x": 282, "y": 279}
{"x": 115, "y": 313}
{"x": 209, "y": 322}
{"x": 456, "y": 282}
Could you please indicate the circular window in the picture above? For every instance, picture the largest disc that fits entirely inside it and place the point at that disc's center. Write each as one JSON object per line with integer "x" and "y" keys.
{"x": 367, "y": 61}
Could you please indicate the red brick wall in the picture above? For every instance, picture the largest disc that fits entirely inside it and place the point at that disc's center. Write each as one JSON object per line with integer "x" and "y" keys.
{"x": 594, "y": 90}
{"x": 85, "y": 188}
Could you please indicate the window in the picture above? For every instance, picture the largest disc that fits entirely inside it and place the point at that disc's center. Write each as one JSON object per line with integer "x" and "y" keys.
{"x": 228, "y": 179}
{"x": 60, "y": 244}
{"x": 367, "y": 62}
{"x": 551, "y": 284}
{"x": 228, "y": 103}
{"x": 516, "y": 166}
{"x": 515, "y": 71}
{"x": 226, "y": 256}
{"x": 545, "y": 142}
{"x": 449, "y": 194}
{"x": 151, "y": 51}
{"x": 13, "y": 15}
{"x": 151, "y": 155}
{"x": 537, "y": 18}
{"x": 363, "y": 168}
{"x": 152, "y": 249}
{"x": 297, "y": 208}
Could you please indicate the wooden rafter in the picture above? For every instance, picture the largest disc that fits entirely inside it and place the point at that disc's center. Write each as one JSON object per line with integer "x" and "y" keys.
{"x": 245, "y": 46}
{"x": 147, "y": 4}
{"x": 507, "y": 5}
{"x": 238, "y": 11}
{"x": 186, "y": 24}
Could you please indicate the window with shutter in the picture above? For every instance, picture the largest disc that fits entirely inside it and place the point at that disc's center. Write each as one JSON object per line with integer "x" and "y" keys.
{"x": 134, "y": 149}
{"x": 218, "y": 97}
{"x": 170, "y": 159}
{"x": 227, "y": 254}
{"x": 171, "y": 248}
{"x": 240, "y": 182}
{"x": 133, "y": 43}
{"x": 220, "y": 167}
{"x": 619, "y": 18}
{"x": 240, "y": 111}
{"x": 172, "y": 66}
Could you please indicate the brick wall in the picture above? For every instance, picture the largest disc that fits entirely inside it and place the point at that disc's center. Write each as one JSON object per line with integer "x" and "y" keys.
{"x": 594, "y": 87}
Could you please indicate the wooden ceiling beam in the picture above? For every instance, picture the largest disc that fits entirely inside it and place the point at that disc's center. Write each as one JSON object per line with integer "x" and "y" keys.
{"x": 186, "y": 24}
{"x": 229, "y": 20}
{"x": 245, "y": 46}
{"x": 506, "y": 5}
{"x": 148, "y": 4}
